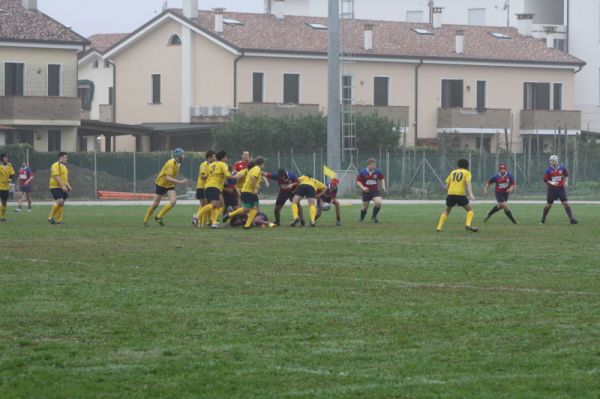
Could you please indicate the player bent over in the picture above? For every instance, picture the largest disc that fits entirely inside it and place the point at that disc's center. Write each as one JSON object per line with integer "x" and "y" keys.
{"x": 288, "y": 182}
{"x": 556, "y": 178}
{"x": 505, "y": 185}
{"x": 165, "y": 184}
{"x": 368, "y": 181}
{"x": 307, "y": 187}
{"x": 218, "y": 172}
{"x": 328, "y": 198}
{"x": 458, "y": 183}
{"x": 6, "y": 174}
{"x": 250, "y": 190}
{"x": 59, "y": 187}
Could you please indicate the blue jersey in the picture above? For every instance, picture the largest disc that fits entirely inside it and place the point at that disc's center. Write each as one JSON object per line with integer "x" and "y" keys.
{"x": 283, "y": 181}
{"x": 370, "y": 179}
{"x": 503, "y": 182}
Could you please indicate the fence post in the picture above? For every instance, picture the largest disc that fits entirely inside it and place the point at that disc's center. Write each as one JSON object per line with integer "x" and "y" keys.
{"x": 423, "y": 169}
{"x": 27, "y": 156}
{"x": 135, "y": 173}
{"x": 278, "y": 160}
{"x": 387, "y": 162}
{"x": 315, "y": 165}
{"x": 95, "y": 174}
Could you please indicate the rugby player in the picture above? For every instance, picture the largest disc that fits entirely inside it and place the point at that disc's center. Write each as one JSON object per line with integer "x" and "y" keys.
{"x": 201, "y": 185}
{"x": 368, "y": 181}
{"x": 556, "y": 178}
{"x": 6, "y": 174}
{"x": 288, "y": 182}
{"x": 59, "y": 187}
{"x": 329, "y": 197}
{"x": 307, "y": 187}
{"x": 505, "y": 185}
{"x": 458, "y": 184}
{"x": 25, "y": 176}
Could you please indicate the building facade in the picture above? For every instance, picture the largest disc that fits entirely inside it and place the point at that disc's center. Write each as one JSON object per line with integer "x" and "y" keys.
{"x": 38, "y": 78}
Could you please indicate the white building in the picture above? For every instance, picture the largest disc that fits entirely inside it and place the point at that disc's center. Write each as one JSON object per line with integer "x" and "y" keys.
{"x": 570, "y": 25}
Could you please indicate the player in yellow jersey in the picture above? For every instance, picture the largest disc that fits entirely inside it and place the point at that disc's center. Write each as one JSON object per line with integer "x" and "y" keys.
{"x": 250, "y": 190}
{"x": 59, "y": 187}
{"x": 165, "y": 184}
{"x": 458, "y": 184}
{"x": 201, "y": 185}
{"x": 218, "y": 172}
{"x": 6, "y": 174}
{"x": 307, "y": 187}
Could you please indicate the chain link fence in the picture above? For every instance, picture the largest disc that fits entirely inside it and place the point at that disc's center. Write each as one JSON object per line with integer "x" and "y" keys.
{"x": 410, "y": 173}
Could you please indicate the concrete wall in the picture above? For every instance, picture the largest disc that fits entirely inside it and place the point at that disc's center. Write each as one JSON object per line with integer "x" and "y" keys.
{"x": 102, "y": 78}
{"x": 69, "y": 139}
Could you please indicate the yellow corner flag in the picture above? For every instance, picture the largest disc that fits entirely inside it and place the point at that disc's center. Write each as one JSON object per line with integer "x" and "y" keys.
{"x": 328, "y": 172}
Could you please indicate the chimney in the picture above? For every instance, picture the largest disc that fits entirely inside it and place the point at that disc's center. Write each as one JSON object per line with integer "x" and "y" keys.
{"x": 278, "y": 8}
{"x": 190, "y": 8}
{"x": 437, "y": 17}
{"x": 460, "y": 41}
{"x": 30, "y": 5}
{"x": 219, "y": 20}
{"x": 369, "y": 37}
{"x": 525, "y": 24}
{"x": 550, "y": 35}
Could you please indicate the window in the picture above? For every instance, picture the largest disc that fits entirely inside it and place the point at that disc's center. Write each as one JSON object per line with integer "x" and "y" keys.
{"x": 317, "y": 26}
{"x": 232, "y": 22}
{"x": 347, "y": 89}
{"x": 291, "y": 88}
{"x": 422, "y": 31}
{"x": 174, "y": 40}
{"x": 485, "y": 142}
{"x": 83, "y": 142}
{"x": 54, "y": 80}
{"x": 95, "y": 64}
{"x": 557, "y": 104}
{"x": 258, "y": 87}
{"x": 477, "y": 16}
{"x": 414, "y": 16}
{"x": 481, "y": 95}
{"x": 155, "y": 89}
{"x": 106, "y": 64}
{"x": 560, "y": 44}
{"x": 498, "y": 35}
{"x": 54, "y": 140}
{"x": 14, "y": 79}
{"x": 536, "y": 96}
{"x": 23, "y": 136}
{"x": 452, "y": 93}
{"x": 381, "y": 91}
{"x": 111, "y": 93}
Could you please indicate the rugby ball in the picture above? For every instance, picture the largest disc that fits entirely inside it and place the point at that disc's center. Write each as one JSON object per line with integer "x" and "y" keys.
{"x": 325, "y": 207}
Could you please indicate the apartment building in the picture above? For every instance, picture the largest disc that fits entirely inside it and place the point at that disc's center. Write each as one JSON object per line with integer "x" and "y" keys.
{"x": 38, "y": 78}
{"x": 475, "y": 83}
{"x": 569, "y": 25}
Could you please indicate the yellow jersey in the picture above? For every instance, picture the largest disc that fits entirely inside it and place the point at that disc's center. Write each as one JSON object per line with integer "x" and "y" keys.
{"x": 314, "y": 183}
{"x": 6, "y": 172}
{"x": 457, "y": 182}
{"x": 202, "y": 174}
{"x": 170, "y": 168}
{"x": 59, "y": 169}
{"x": 249, "y": 185}
{"x": 241, "y": 175}
{"x": 218, "y": 171}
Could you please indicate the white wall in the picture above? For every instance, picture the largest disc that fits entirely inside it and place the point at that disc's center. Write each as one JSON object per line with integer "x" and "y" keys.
{"x": 102, "y": 78}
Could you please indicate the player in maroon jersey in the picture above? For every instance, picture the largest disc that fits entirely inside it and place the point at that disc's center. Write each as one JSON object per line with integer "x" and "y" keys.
{"x": 24, "y": 178}
{"x": 368, "y": 181}
{"x": 505, "y": 185}
{"x": 556, "y": 178}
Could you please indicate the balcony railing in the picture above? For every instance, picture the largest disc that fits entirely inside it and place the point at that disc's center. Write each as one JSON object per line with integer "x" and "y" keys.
{"x": 471, "y": 118}
{"x": 550, "y": 119}
{"x": 106, "y": 113}
{"x": 394, "y": 113}
{"x": 274, "y": 109}
{"x": 22, "y": 108}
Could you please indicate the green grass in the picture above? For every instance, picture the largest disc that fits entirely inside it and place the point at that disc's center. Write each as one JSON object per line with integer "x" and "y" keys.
{"x": 102, "y": 308}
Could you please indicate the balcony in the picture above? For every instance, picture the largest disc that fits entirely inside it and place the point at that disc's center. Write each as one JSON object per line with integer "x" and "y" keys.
{"x": 40, "y": 110}
{"x": 106, "y": 113}
{"x": 396, "y": 114}
{"x": 471, "y": 120}
{"x": 277, "y": 110}
{"x": 550, "y": 120}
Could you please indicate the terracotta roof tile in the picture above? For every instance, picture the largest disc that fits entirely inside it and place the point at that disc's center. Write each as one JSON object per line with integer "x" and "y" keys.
{"x": 19, "y": 24}
{"x": 103, "y": 41}
{"x": 261, "y": 32}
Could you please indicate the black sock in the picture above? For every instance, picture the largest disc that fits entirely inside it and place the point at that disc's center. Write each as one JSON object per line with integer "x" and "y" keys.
{"x": 375, "y": 212}
{"x": 569, "y": 212}
{"x": 546, "y": 210}
{"x": 509, "y": 215}
{"x": 363, "y": 213}
{"x": 493, "y": 210}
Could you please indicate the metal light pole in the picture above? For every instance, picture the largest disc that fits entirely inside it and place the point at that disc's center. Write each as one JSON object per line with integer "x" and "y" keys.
{"x": 334, "y": 140}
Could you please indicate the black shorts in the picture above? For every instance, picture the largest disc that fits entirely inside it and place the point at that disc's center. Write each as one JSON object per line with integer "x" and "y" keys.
{"x": 249, "y": 200}
{"x": 4, "y": 195}
{"x": 370, "y": 196}
{"x": 58, "y": 193}
{"x": 199, "y": 193}
{"x": 304, "y": 190}
{"x": 212, "y": 194}
{"x": 557, "y": 193}
{"x": 230, "y": 199}
{"x": 501, "y": 197}
{"x": 326, "y": 199}
{"x": 160, "y": 190}
{"x": 25, "y": 189}
{"x": 454, "y": 200}
{"x": 283, "y": 197}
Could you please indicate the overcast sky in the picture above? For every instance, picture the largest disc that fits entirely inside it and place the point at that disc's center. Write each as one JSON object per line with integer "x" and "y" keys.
{"x": 87, "y": 17}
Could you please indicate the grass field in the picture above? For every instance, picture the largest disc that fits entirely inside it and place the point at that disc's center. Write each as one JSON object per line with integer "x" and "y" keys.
{"x": 102, "y": 308}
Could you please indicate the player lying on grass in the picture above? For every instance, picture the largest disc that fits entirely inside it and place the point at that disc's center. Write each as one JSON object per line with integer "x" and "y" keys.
{"x": 59, "y": 187}
{"x": 368, "y": 181}
{"x": 505, "y": 185}
{"x": 327, "y": 198}
{"x": 458, "y": 183}
{"x": 307, "y": 188}
{"x": 288, "y": 182}
{"x": 6, "y": 174}
{"x": 250, "y": 190}
{"x": 556, "y": 178}
{"x": 165, "y": 184}
{"x": 260, "y": 220}
{"x": 201, "y": 185}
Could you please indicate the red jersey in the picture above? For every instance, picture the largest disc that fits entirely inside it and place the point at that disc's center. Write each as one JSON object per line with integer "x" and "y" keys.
{"x": 240, "y": 165}
{"x": 24, "y": 175}
{"x": 556, "y": 175}
{"x": 503, "y": 182}
{"x": 370, "y": 179}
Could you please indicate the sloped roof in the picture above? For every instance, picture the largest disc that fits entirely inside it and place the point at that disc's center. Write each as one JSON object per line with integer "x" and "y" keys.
{"x": 21, "y": 25}
{"x": 103, "y": 41}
